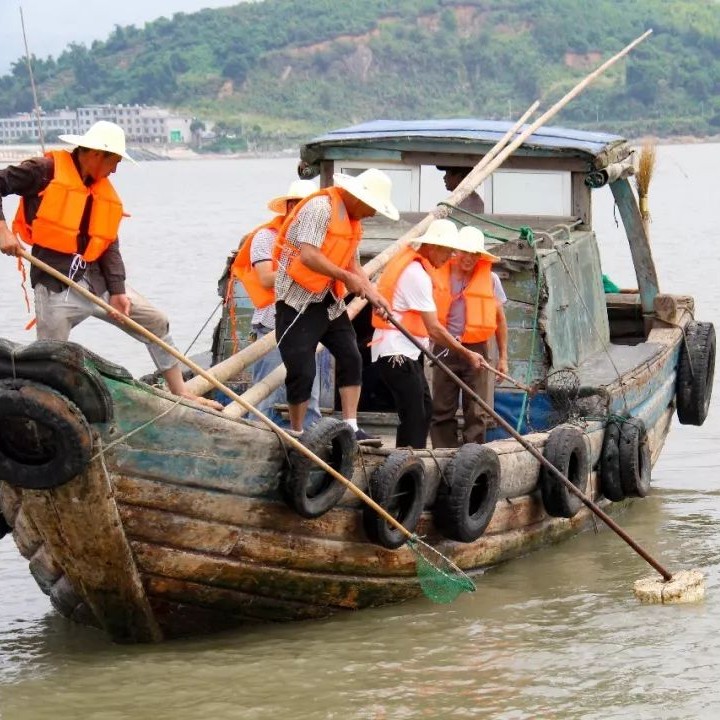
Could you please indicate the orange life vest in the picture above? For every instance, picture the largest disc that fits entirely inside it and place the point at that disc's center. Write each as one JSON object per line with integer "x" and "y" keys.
{"x": 57, "y": 223}
{"x": 340, "y": 244}
{"x": 411, "y": 320}
{"x": 480, "y": 302}
{"x": 243, "y": 270}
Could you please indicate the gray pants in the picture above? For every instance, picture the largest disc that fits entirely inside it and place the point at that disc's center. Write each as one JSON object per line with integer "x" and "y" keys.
{"x": 59, "y": 312}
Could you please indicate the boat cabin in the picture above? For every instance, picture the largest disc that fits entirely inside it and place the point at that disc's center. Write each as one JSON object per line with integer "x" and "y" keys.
{"x": 559, "y": 315}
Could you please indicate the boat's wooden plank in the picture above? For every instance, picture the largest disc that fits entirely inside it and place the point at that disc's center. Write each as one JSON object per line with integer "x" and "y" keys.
{"x": 10, "y": 501}
{"x": 639, "y": 243}
{"x": 242, "y": 605}
{"x": 282, "y": 549}
{"x": 44, "y": 569}
{"x": 349, "y": 591}
{"x": 341, "y": 523}
{"x": 80, "y": 525}
{"x": 26, "y": 536}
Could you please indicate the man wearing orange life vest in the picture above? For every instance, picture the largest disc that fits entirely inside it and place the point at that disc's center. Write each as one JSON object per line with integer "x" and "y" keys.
{"x": 70, "y": 213}
{"x": 318, "y": 263}
{"x": 469, "y": 299}
{"x": 407, "y": 284}
{"x": 255, "y": 268}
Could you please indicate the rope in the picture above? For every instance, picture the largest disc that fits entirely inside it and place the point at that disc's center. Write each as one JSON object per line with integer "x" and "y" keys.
{"x": 593, "y": 326}
{"x": 139, "y": 428}
{"x": 200, "y": 331}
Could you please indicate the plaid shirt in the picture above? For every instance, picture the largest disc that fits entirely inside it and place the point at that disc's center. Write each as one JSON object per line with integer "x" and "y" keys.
{"x": 310, "y": 226}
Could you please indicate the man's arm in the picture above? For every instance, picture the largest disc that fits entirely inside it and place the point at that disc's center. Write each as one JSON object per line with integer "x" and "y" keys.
{"x": 501, "y": 337}
{"x": 440, "y": 335}
{"x": 27, "y": 178}
{"x": 266, "y": 273}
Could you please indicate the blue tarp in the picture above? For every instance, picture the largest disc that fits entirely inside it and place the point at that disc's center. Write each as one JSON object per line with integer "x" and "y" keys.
{"x": 471, "y": 130}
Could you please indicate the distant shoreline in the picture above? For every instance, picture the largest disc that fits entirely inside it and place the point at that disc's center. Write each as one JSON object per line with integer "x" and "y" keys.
{"x": 17, "y": 152}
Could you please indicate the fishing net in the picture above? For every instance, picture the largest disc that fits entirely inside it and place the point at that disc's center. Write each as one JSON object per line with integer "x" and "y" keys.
{"x": 440, "y": 579}
{"x": 573, "y": 403}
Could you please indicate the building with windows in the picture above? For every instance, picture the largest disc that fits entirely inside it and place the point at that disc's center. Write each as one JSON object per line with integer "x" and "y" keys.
{"x": 141, "y": 123}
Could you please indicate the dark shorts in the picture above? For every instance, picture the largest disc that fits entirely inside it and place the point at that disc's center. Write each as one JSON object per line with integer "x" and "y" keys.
{"x": 298, "y": 338}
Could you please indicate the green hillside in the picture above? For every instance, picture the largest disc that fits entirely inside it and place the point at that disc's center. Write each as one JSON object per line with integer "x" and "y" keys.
{"x": 279, "y": 70}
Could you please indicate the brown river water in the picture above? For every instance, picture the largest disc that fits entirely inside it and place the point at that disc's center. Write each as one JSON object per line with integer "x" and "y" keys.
{"x": 556, "y": 634}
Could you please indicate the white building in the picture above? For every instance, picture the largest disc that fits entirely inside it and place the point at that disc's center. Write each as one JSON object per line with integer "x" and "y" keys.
{"x": 141, "y": 123}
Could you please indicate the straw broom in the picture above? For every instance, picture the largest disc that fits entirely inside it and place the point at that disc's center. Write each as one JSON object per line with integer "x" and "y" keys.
{"x": 643, "y": 177}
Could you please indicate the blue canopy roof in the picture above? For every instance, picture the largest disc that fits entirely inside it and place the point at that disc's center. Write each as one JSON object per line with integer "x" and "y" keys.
{"x": 470, "y": 130}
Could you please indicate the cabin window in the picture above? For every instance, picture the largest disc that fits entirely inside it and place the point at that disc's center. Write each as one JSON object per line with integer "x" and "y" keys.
{"x": 529, "y": 192}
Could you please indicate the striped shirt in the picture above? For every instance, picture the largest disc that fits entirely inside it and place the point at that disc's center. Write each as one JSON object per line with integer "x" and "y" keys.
{"x": 261, "y": 251}
{"x": 310, "y": 226}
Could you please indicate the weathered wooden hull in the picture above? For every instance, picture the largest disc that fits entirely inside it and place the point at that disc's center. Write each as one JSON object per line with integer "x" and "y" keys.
{"x": 177, "y": 525}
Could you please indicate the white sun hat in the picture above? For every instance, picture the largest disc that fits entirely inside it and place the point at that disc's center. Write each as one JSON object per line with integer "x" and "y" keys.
{"x": 103, "y": 135}
{"x": 443, "y": 233}
{"x": 472, "y": 240}
{"x": 373, "y": 187}
{"x": 298, "y": 190}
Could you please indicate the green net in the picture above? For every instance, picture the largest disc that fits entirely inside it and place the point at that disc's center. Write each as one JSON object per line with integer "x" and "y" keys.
{"x": 440, "y": 580}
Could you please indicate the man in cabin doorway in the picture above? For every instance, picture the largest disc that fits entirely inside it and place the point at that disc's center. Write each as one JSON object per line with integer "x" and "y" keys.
{"x": 406, "y": 283}
{"x": 317, "y": 252}
{"x": 255, "y": 268}
{"x": 473, "y": 203}
{"x": 470, "y": 300}
{"x": 70, "y": 213}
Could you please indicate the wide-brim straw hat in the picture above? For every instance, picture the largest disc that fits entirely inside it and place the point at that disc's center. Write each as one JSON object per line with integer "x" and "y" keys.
{"x": 373, "y": 187}
{"x": 298, "y": 190}
{"x": 442, "y": 232}
{"x": 103, "y": 135}
{"x": 472, "y": 240}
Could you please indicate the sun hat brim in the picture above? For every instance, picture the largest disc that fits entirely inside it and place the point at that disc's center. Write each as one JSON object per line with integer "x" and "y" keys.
{"x": 83, "y": 141}
{"x": 278, "y": 204}
{"x": 356, "y": 189}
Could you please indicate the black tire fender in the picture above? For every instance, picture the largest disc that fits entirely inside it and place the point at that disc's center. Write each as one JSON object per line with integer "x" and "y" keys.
{"x": 398, "y": 487}
{"x": 465, "y": 503}
{"x": 565, "y": 448}
{"x": 309, "y": 489}
{"x": 635, "y": 460}
{"x": 696, "y": 370}
{"x": 45, "y": 439}
{"x": 610, "y": 482}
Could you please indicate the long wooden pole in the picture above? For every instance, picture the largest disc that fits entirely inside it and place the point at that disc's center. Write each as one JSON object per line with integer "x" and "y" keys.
{"x": 41, "y": 135}
{"x": 535, "y": 452}
{"x": 286, "y": 437}
{"x": 238, "y": 362}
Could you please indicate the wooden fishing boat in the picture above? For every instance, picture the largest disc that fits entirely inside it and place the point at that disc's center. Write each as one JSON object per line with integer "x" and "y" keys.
{"x": 152, "y": 518}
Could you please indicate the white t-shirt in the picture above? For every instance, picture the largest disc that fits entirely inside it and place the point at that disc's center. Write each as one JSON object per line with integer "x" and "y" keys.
{"x": 413, "y": 291}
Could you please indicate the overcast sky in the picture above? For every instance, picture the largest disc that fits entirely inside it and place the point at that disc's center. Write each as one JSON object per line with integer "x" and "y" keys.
{"x": 51, "y": 25}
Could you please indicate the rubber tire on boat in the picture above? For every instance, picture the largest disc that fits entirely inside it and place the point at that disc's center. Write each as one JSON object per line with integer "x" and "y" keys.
{"x": 696, "y": 370}
{"x": 397, "y": 486}
{"x": 307, "y": 488}
{"x": 635, "y": 460}
{"x": 610, "y": 482}
{"x": 65, "y": 444}
{"x": 565, "y": 448}
{"x": 465, "y": 503}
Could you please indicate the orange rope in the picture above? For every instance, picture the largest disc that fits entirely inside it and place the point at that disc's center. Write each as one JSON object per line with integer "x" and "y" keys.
{"x": 230, "y": 304}
{"x": 23, "y": 284}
